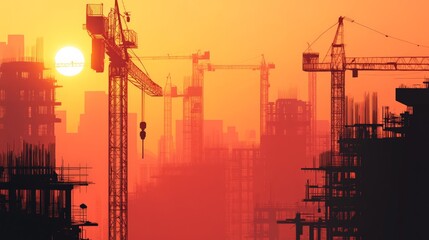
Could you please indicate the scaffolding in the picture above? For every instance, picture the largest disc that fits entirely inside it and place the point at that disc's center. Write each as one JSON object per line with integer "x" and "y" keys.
{"x": 340, "y": 191}
{"x": 374, "y": 190}
{"x": 36, "y": 197}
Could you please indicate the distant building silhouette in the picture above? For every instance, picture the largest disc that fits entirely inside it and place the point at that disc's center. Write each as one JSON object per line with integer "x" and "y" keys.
{"x": 27, "y": 101}
{"x": 284, "y": 151}
{"x": 13, "y": 50}
{"x": 212, "y": 137}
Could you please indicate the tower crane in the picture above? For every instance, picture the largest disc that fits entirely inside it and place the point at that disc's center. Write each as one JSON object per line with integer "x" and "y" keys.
{"x": 264, "y": 69}
{"x": 193, "y": 100}
{"x": 340, "y": 63}
{"x": 109, "y": 36}
{"x": 340, "y": 168}
{"x": 193, "y": 111}
{"x": 170, "y": 91}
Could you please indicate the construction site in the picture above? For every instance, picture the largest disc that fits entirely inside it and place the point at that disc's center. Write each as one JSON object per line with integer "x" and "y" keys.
{"x": 35, "y": 190}
{"x": 358, "y": 175}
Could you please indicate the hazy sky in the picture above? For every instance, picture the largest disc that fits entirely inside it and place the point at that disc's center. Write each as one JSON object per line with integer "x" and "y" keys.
{"x": 235, "y": 32}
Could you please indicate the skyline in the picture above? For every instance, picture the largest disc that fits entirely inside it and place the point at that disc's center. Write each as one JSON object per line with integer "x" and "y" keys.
{"x": 225, "y": 152}
{"x": 234, "y": 33}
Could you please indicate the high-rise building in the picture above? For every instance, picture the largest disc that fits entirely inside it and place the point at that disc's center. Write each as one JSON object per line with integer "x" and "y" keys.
{"x": 284, "y": 149}
{"x": 35, "y": 195}
{"x": 278, "y": 180}
{"x": 27, "y": 101}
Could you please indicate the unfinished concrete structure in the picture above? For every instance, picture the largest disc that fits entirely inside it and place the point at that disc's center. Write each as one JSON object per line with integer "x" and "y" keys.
{"x": 36, "y": 197}
{"x": 376, "y": 191}
{"x": 35, "y": 194}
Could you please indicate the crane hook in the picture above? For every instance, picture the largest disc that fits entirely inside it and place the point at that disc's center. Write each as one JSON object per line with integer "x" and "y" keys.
{"x": 127, "y": 15}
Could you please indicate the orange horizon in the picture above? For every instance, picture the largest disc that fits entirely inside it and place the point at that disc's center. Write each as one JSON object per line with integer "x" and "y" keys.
{"x": 234, "y": 32}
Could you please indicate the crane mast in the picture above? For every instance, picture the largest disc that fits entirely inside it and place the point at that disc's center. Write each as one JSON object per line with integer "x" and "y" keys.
{"x": 108, "y": 36}
{"x": 170, "y": 92}
{"x": 313, "y": 113}
{"x": 337, "y": 89}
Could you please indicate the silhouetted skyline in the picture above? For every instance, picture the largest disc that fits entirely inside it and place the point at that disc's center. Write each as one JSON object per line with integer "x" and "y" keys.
{"x": 231, "y": 166}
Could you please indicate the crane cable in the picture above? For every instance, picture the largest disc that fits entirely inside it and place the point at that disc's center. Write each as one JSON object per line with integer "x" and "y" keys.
{"x": 315, "y": 40}
{"x": 384, "y": 34}
{"x": 367, "y": 27}
{"x": 131, "y": 50}
{"x": 142, "y": 90}
{"x": 123, "y": 5}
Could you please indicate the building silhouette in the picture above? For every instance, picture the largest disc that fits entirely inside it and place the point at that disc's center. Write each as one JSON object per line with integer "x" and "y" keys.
{"x": 35, "y": 192}
{"x": 27, "y": 101}
{"x": 376, "y": 190}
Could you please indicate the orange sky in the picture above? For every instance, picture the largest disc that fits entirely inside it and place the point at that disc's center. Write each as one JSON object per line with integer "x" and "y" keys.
{"x": 235, "y": 32}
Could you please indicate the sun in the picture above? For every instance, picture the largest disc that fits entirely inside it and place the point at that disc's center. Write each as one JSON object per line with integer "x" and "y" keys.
{"x": 69, "y": 61}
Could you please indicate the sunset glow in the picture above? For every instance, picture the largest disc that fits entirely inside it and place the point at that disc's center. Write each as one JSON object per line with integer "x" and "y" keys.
{"x": 214, "y": 120}
{"x": 69, "y": 61}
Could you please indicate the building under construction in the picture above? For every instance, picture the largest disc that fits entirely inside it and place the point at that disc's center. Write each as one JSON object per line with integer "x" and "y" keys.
{"x": 27, "y": 101}
{"x": 278, "y": 181}
{"x": 376, "y": 190}
{"x": 36, "y": 197}
{"x": 35, "y": 194}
